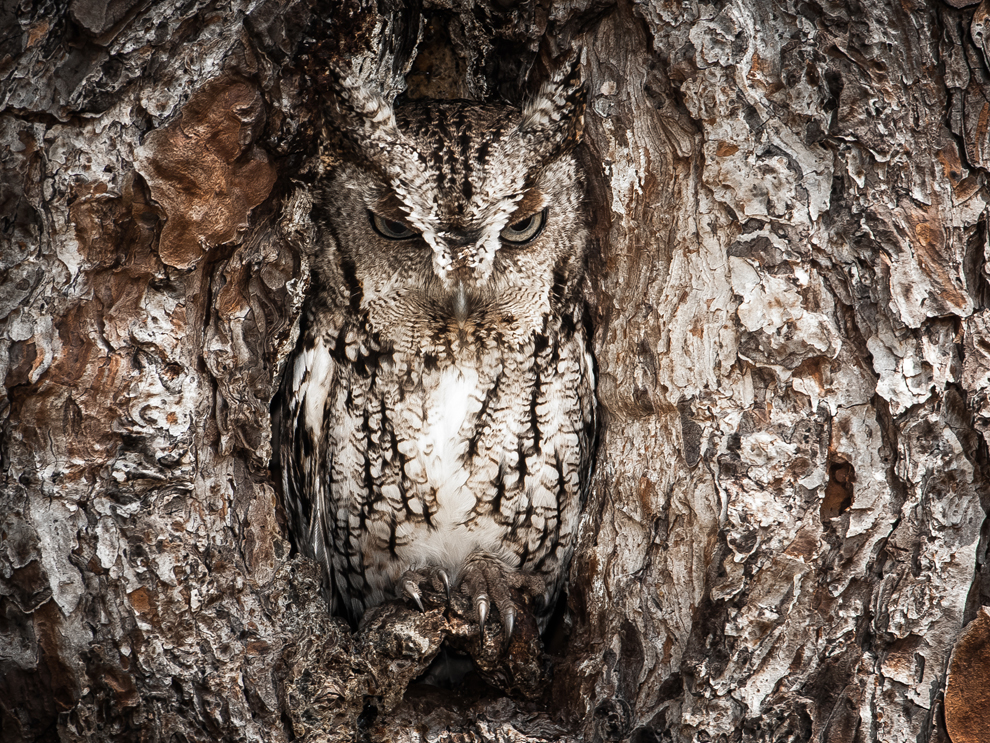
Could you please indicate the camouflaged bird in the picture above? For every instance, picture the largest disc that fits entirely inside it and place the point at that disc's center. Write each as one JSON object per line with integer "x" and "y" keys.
{"x": 438, "y": 413}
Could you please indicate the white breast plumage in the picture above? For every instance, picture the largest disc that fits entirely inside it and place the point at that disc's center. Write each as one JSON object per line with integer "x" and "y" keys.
{"x": 437, "y": 463}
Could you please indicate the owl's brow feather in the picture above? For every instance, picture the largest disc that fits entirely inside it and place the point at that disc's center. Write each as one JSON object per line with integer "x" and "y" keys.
{"x": 531, "y": 202}
{"x": 390, "y": 206}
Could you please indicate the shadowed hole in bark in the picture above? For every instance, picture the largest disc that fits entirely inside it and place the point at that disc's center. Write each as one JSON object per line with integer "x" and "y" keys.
{"x": 367, "y": 717}
{"x": 691, "y": 433}
{"x": 611, "y": 720}
{"x": 839, "y": 491}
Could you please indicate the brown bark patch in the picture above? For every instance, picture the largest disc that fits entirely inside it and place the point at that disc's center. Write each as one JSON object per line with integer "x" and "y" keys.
{"x": 725, "y": 149}
{"x": 929, "y": 241}
{"x": 205, "y": 172}
{"x": 967, "y": 693}
{"x": 839, "y": 491}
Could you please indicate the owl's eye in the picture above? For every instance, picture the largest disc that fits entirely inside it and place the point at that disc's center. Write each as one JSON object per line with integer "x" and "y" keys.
{"x": 389, "y": 228}
{"x": 525, "y": 230}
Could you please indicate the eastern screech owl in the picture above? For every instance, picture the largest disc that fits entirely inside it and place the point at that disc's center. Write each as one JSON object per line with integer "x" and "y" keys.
{"x": 438, "y": 413}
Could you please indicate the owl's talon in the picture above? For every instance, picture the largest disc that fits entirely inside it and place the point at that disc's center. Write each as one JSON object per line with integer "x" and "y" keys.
{"x": 446, "y": 582}
{"x": 413, "y": 590}
{"x": 481, "y": 605}
{"x": 508, "y": 622}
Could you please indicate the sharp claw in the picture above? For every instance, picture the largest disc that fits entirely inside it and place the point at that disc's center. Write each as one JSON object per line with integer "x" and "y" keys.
{"x": 413, "y": 590}
{"x": 481, "y": 604}
{"x": 509, "y": 622}
{"x": 446, "y": 583}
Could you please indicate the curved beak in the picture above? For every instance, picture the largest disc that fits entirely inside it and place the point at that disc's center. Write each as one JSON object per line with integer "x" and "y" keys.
{"x": 462, "y": 303}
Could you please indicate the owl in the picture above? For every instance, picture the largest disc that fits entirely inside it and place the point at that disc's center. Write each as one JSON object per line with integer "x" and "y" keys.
{"x": 437, "y": 415}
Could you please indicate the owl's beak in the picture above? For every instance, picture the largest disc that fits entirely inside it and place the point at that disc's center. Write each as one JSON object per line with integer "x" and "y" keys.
{"x": 462, "y": 305}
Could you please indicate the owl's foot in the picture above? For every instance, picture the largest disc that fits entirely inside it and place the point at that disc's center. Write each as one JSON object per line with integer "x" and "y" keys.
{"x": 416, "y": 584}
{"x": 488, "y": 610}
{"x": 492, "y": 620}
{"x": 486, "y": 580}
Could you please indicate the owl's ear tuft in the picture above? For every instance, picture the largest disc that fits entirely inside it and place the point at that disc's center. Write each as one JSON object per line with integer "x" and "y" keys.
{"x": 554, "y": 116}
{"x": 359, "y": 118}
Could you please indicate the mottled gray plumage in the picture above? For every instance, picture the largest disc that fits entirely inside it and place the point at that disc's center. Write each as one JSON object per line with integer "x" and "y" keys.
{"x": 438, "y": 411}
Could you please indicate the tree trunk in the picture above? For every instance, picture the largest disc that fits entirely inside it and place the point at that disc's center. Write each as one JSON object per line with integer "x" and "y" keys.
{"x": 785, "y": 535}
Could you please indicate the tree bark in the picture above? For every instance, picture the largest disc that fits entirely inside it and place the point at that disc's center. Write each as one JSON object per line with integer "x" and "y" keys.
{"x": 786, "y": 534}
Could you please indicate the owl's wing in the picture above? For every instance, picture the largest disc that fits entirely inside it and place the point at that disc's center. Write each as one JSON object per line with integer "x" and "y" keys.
{"x": 305, "y": 453}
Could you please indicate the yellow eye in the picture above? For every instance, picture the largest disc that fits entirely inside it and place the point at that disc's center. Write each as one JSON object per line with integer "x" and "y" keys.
{"x": 525, "y": 230}
{"x": 390, "y": 228}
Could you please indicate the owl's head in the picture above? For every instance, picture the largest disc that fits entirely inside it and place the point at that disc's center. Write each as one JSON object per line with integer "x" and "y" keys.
{"x": 460, "y": 213}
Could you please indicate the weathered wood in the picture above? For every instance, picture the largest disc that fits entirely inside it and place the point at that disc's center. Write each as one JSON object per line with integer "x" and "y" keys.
{"x": 786, "y": 534}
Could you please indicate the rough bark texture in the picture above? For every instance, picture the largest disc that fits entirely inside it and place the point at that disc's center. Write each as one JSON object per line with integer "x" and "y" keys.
{"x": 787, "y": 529}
